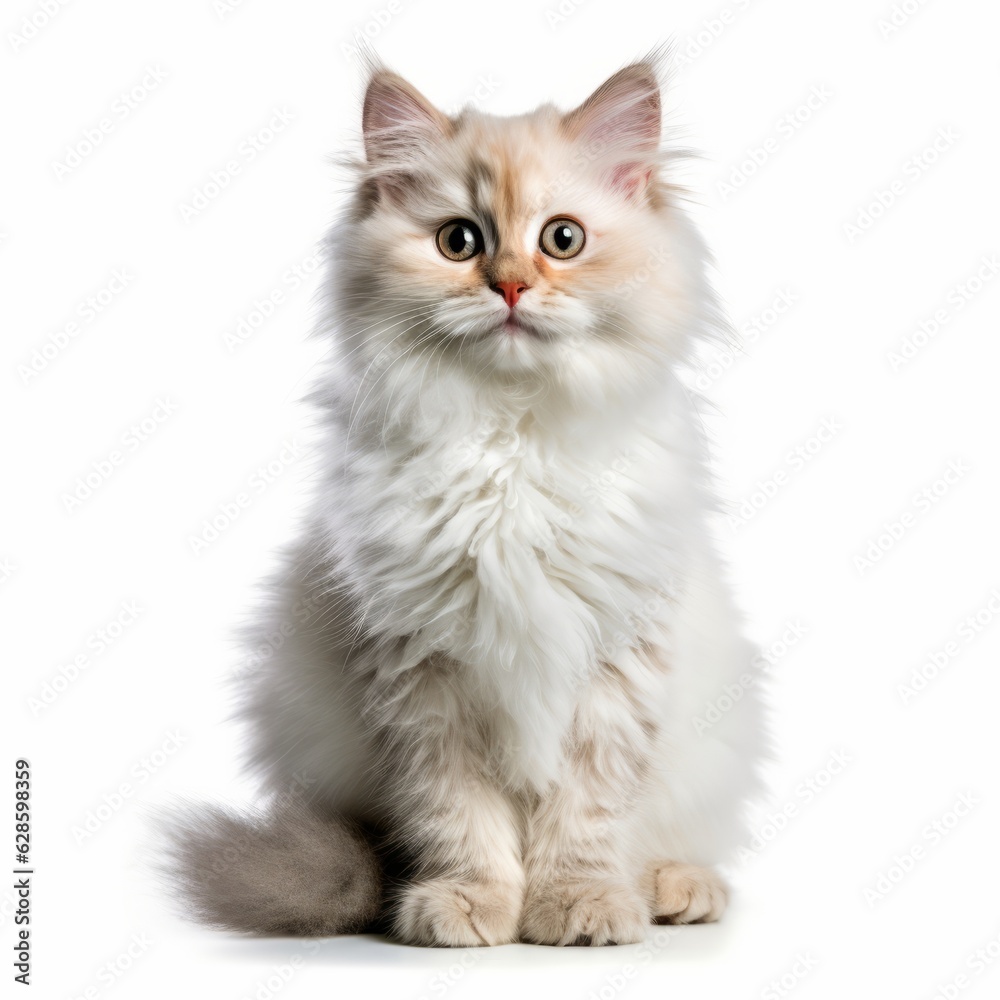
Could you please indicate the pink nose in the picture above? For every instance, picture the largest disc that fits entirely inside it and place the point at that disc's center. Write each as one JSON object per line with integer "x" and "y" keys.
{"x": 510, "y": 290}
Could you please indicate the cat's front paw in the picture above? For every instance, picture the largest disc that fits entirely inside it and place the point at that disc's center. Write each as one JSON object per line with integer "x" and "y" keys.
{"x": 687, "y": 894}
{"x": 453, "y": 913}
{"x": 588, "y": 911}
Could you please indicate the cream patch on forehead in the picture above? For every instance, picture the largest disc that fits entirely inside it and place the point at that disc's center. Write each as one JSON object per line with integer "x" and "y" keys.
{"x": 505, "y": 181}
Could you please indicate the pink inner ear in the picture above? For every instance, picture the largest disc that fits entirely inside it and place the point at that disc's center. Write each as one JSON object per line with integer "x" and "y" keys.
{"x": 623, "y": 118}
{"x": 631, "y": 178}
{"x": 624, "y": 112}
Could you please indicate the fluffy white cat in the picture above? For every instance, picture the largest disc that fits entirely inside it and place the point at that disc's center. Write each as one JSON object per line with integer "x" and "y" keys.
{"x": 505, "y": 614}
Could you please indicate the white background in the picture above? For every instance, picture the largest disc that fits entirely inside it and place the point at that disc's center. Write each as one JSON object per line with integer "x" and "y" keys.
{"x": 845, "y": 211}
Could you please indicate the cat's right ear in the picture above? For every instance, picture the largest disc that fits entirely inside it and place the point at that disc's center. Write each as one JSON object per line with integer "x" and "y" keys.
{"x": 400, "y": 127}
{"x": 621, "y": 122}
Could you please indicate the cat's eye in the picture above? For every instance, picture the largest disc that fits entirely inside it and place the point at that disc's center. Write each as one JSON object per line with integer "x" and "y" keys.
{"x": 562, "y": 238}
{"x": 459, "y": 239}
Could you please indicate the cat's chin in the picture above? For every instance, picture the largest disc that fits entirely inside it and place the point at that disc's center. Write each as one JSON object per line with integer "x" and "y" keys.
{"x": 514, "y": 345}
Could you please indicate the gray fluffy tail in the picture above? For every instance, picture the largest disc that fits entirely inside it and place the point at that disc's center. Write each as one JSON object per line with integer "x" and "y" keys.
{"x": 285, "y": 869}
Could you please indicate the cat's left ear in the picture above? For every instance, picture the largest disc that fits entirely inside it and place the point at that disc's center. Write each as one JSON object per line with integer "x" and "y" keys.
{"x": 621, "y": 122}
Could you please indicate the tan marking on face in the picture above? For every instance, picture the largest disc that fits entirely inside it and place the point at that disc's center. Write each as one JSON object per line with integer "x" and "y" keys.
{"x": 555, "y": 279}
{"x": 506, "y": 205}
{"x": 506, "y": 196}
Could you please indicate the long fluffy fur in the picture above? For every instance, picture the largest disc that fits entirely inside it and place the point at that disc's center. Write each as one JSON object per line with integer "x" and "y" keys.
{"x": 506, "y": 612}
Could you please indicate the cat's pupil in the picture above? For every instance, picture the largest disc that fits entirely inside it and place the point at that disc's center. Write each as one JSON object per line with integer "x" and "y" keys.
{"x": 459, "y": 238}
{"x": 563, "y": 237}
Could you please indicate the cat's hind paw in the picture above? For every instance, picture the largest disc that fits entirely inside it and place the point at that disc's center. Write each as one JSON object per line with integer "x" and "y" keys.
{"x": 687, "y": 894}
{"x": 448, "y": 912}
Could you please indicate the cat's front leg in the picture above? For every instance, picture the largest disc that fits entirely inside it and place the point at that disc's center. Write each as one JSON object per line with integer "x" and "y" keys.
{"x": 581, "y": 887}
{"x": 462, "y": 830}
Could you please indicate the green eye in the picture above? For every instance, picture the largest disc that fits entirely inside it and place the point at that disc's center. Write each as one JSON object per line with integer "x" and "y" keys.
{"x": 562, "y": 238}
{"x": 459, "y": 239}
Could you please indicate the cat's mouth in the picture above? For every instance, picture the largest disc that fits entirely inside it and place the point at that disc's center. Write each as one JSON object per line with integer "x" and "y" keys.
{"x": 514, "y": 326}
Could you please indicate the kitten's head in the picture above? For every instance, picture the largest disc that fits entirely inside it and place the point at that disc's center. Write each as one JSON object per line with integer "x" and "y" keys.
{"x": 545, "y": 244}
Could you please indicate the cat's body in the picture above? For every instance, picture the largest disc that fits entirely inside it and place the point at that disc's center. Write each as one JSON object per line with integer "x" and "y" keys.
{"x": 505, "y": 615}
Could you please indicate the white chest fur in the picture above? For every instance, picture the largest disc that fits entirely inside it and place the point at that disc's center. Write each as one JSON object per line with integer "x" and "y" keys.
{"x": 525, "y": 556}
